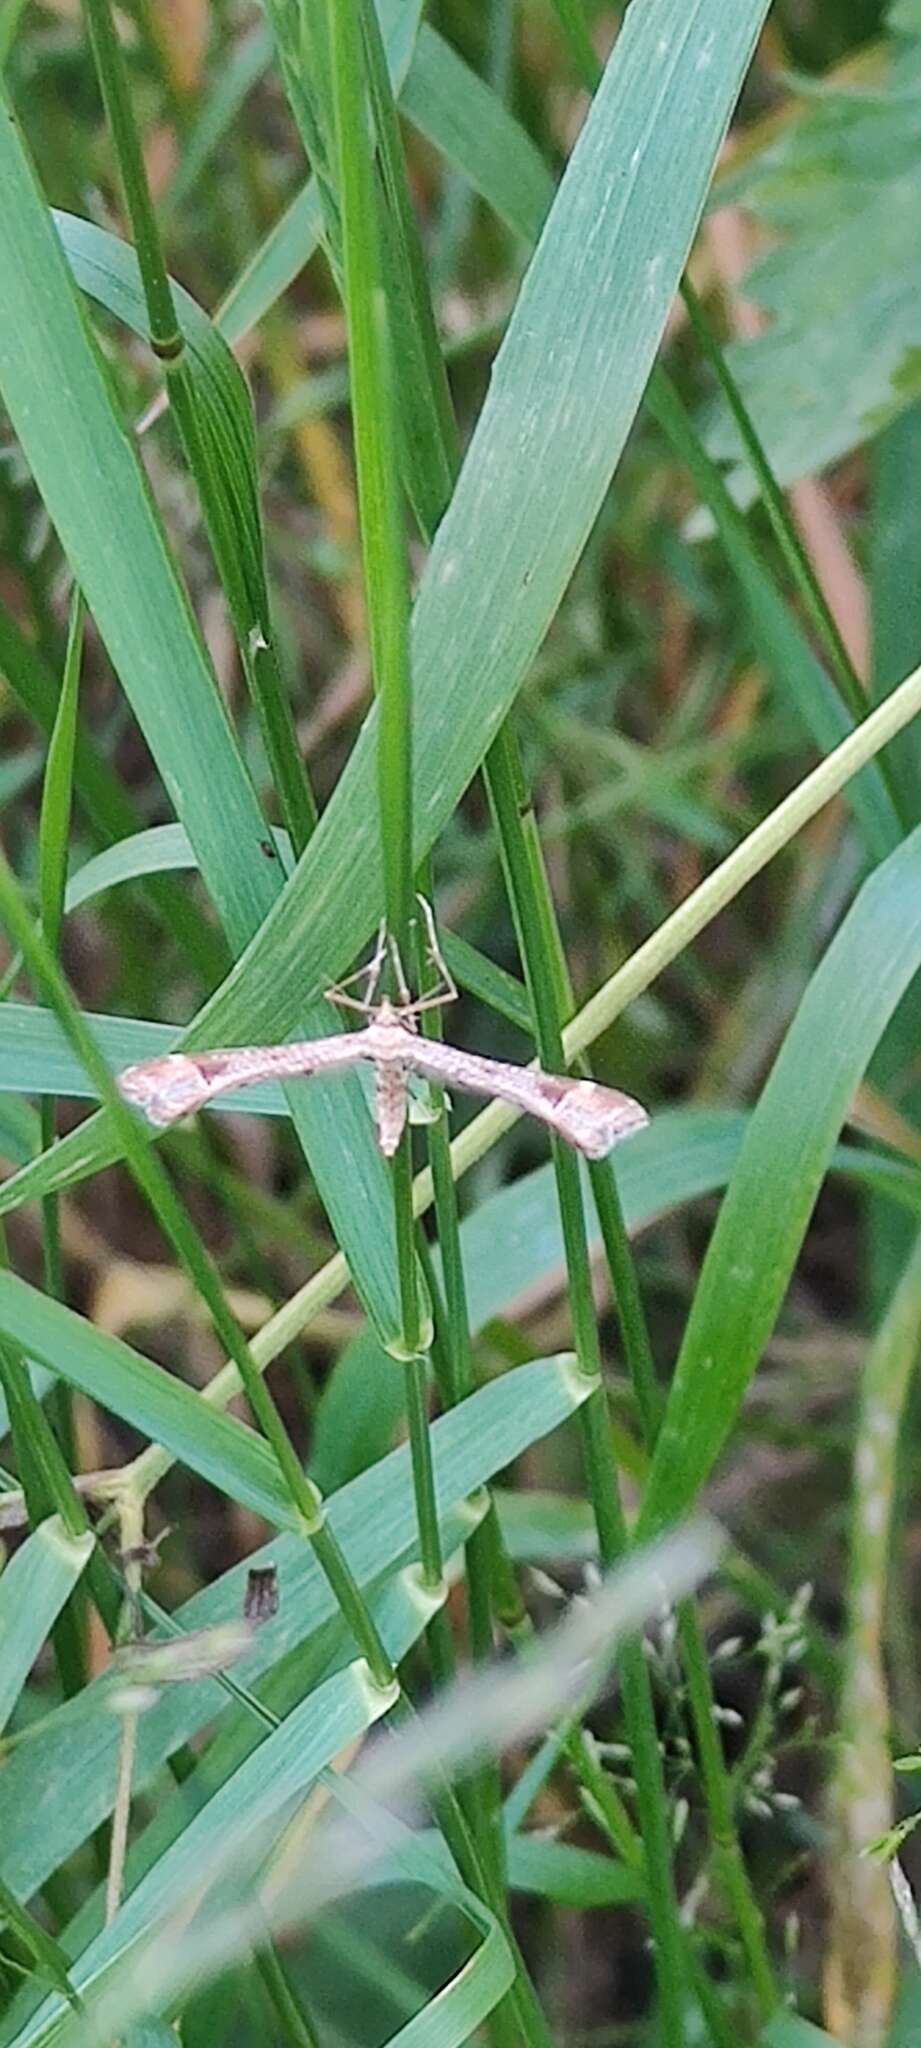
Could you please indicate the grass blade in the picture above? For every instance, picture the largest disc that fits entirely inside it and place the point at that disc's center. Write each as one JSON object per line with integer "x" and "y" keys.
{"x": 560, "y": 405}
{"x": 223, "y": 1451}
{"x": 33, "y": 1589}
{"x": 779, "y": 1172}
{"x": 374, "y": 1520}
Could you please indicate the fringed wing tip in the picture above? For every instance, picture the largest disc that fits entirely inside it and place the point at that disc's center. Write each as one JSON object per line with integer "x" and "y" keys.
{"x": 595, "y": 1119}
{"x": 164, "y": 1089}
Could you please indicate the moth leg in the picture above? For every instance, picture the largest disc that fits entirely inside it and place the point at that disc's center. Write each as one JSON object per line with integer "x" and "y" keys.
{"x": 375, "y": 965}
{"x": 448, "y": 991}
{"x": 370, "y": 974}
{"x": 399, "y": 976}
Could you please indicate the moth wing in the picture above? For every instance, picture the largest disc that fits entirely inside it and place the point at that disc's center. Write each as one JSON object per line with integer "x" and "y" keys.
{"x": 589, "y": 1116}
{"x": 179, "y": 1083}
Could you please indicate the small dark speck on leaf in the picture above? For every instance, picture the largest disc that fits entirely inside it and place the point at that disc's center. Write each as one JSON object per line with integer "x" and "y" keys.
{"x": 261, "y": 1597}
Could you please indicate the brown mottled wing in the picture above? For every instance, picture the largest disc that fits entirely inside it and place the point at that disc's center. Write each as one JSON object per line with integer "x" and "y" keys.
{"x": 180, "y": 1082}
{"x": 588, "y": 1116}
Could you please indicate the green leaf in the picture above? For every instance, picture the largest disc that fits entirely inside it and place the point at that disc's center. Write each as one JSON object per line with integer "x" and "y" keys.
{"x": 786, "y": 2030}
{"x": 358, "y": 1414}
{"x": 221, "y": 454}
{"x": 164, "y": 1409}
{"x": 61, "y": 407}
{"x": 895, "y": 585}
{"x": 471, "y": 128}
{"x": 57, "y": 790}
{"x": 260, "y": 1792}
{"x": 162, "y": 849}
{"x": 33, "y": 1588}
{"x": 165, "y": 849}
{"x": 778, "y": 636}
{"x": 20, "y": 1131}
{"x": 513, "y": 1242}
{"x": 563, "y": 395}
{"x": 243, "y": 1724}
{"x": 548, "y": 439}
{"x": 104, "y": 801}
{"x": 786, "y": 1152}
{"x": 510, "y": 1243}
{"x": 108, "y": 809}
{"x": 225, "y": 1843}
{"x": 49, "y": 1957}
{"x": 569, "y": 1875}
{"x": 58, "y": 1784}
{"x": 546, "y": 1528}
{"x": 37, "y": 1059}
{"x": 907, "y": 2016}
{"x": 89, "y": 475}
{"x": 448, "y": 104}
{"x": 247, "y": 62}
{"x": 561, "y": 1871}
{"x": 107, "y": 270}
{"x": 275, "y": 265}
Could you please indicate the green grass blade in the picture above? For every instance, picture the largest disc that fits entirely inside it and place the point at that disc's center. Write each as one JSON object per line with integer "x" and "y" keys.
{"x": 331, "y": 1719}
{"x": 764, "y": 1216}
{"x": 220, "y": 444}
{"x": 429, "y": 446}
{"x": 374, "y": 1520}
{"x": 569, "y": 1875}
{"x": 57, "y": 791}
{"x": 250, "y": 1712}
{"x": 105, "y": 804}
{"x": 787, "y": 2030}
{"x": 62, "y": 408}
{"x": 231, "y": 1830}
{"x": 275, "y": 265}
{"x": 33, "y": 1589}
{"x": 861, "y": 1966}
{"x": 165, "y": 849}
{"x": 510, "y": 1244}
{"x": 92, "y": 483}
{"x": 164, "y": 1409}
{"x": 895, "y": 581}
{"x": 563, "y": 395}
{"x": 37, "y": 1059}
{"x": 48, "y": 1956}
{"x": 453, "y": 108}
{"x": 499, "y": 552}
{"x": 248, "y": 62}
{"x": 779, "y": 638}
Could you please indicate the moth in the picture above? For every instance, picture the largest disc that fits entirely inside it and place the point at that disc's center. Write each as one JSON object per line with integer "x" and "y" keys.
{"x": 590, "y": 1117}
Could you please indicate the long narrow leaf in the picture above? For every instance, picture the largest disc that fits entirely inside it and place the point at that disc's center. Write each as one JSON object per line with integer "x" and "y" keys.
{"x": 226, "y": 1453}
{"x": 563, "y": 395}
{"x": 373, "y": 1519}
{"x": 91, "y": 481}
{"x": 33, "y": 1589}
{"x": 763, "y": 1220}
